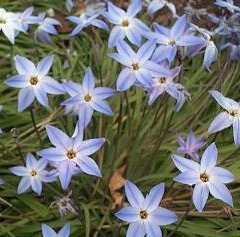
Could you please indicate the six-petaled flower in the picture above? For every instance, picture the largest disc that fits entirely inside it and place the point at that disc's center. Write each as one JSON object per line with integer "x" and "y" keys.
{"x": 144, "y": 215}
{"x": 205, "y": 176}
{"x": 71, "y": 153}
{"x": 227, "y": 118}
{"x": 34, "y": 81}
{"x": 32, "y": 175}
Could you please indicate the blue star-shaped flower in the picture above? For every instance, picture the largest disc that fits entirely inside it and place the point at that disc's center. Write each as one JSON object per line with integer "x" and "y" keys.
{"x": 170, "y": 39}
{"x": 32, "y": 175}
{"x": 71, "y": 153}
{"x": 138, "y": 67}
{"x": 126, "y": 24}
{"x": 34, "y": 81}
{"x": 144, "y": 214}
{"x": 206, "y": 177}
{"x": 230, "y": 117}
{"x": 86, "y": 98}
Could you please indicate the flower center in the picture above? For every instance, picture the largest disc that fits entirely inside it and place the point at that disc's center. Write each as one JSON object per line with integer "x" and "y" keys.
{"x": 162, "y": 80}
{"x": 2, "y": 21}
{"x": 143, "y": 215}
{"x": 33, "y": 81}
{"x": 204, "y": 177}
{"x": 64, "y": 203}
{"x": 125, "y": 23}
{"x": 33, "y": 173}
{"x": 87, "y": 98}
{"x": 172, "y": 42}
{"x": 135, "y": 66}
{"x": 233, "y": 112}
{"x": 71, "y": 154}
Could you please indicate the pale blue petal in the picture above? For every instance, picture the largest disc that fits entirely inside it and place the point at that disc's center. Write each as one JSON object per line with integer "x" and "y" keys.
{"x": 134, "y": 195}
{"x": 72, "y": 88}
{"x": 18, "y": 81}
{"x": 36, "y": 185}
{"x": 179, "y": 27}
{"x": 184, "y": 164}
{"x": 134, "y": 8}
{"x": 125, "y": 79}
{"x": 154, "y": 197}
{"x": 23, "y": 185}
{"x": 220, "y": 191}
{"x": 88, "y": 83}
{"x": 171, "y": 53}
{"x": 104, "y": 92}
{"x": 161, "y": 39}
{"x": 9, "y": 32}
{"x": 222, "y": 175}
{"x": 102, "y": 107}
{"x": 44, "y": 65}
{"x": 121, "y": 58}
{"x": 78, "y": 133}
{"x": 74, "y": 19}
{"x": 154, "y": 6}
{"x": 52, "y": 86}
{"x": 49, "y": 176}
{"x": 142, "y": 28}
{"x": 210, "y": 55}
{"x": 75, "y": 100}
{"x": 222, "y": 121}
{"x": 100, "y": 24}
{"x": 76, "y": 30}
{"x": 57, "y": 137}
{"x": 162, "y": 30}
{"x": 52, "y": 154}
{"x": 152, "y": 229}
{"x": 116, "y": 34}
{"x": 31, "y": 161}
{"x": 132, "y": 33}
{"x": 161, "y": 216}
{"x": 128, "y": 214}
{"x": 66, "y": 171}
{"x": 90, "y": 146}
{"x": 85, "y": 114}
{"x": 115, "y": 12}
{"x": 190, "y": 142}
{"x": 200, "y": 196}
{"x": 209, "y": 157}
{"x": 19, "y": 171}
{"x": 48, "y": 231}
{"x": 23, "y": 65}
{"x": 144, "y": 77}
{"x": 221, "y": 100}
{"x": 161, "y": 53}
{"x": 154, "y": 93}
{"x": 180, "y": 140}
{"x": 25, "y": 98}
{"x": 136, "y": 229}
{"x": 145, "y": 52}
{"x": 41, "y": 96}
{"x": 190, "y": 40}
{"x": 65, "y": 231}
{"x": 188, "y": 177}
{"x": 236, "y": 130}
{"x": 89, "y": 166}
{"x": 124, "y": 49}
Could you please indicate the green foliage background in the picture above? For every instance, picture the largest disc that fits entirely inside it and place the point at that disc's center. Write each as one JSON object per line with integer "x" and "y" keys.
{"x": 139, "y": 136}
